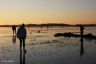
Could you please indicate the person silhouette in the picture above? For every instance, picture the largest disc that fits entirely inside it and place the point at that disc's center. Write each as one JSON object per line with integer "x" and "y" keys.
{"x": 14, "y": 29}
{"x": 21, "y": 34}
{"x": 81, "y": 40}
{"x": 81, "y": 31}
{"x": 14, "y": 39}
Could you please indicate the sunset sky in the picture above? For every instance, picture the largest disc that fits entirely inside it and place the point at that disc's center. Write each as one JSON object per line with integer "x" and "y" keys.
{"x": 47, "y": 11}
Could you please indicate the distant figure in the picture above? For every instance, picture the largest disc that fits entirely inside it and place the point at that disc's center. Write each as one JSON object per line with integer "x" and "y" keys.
{"x": 81, "y": 31}
{"x": 81, "y": 40}
{"x": 14, "y": 39}
{"x": 21, "y": 34}
{"x": 14, "y": 29}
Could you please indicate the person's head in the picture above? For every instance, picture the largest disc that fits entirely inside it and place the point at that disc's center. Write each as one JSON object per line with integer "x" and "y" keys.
{"x": 23, "y": 25}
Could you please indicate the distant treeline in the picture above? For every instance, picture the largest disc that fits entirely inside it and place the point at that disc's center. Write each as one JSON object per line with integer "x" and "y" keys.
{"x": 51, "y": 25}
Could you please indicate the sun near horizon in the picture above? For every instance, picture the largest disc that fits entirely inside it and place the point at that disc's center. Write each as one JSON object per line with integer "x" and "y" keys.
{"x": 47, "y": 11}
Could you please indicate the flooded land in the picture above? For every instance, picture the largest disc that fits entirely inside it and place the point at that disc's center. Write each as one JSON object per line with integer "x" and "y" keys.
{"x": 43, "y": 48}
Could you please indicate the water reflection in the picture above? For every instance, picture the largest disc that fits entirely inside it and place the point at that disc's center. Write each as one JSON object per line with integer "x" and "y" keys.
{"x": 81, "y": 47}
{"x": 22, "y": 56}
{"x": 14, "y": 39}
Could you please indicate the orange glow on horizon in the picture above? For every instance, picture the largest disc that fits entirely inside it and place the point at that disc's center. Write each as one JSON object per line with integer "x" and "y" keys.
{"x": 48, "y": 11}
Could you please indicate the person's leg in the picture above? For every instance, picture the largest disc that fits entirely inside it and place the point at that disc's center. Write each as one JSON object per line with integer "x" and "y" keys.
{"x": 15, "y": 31}
{"x": 24, "y": 51}
{"x": 20, "y": 42}
{"x": 82, "y": 34}
{"x": 24, "y": 46}
{"x": 24, "y": 43}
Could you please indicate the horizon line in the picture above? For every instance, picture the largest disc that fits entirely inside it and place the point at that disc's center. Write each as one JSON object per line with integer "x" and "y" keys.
{"x": 49, "y": 23}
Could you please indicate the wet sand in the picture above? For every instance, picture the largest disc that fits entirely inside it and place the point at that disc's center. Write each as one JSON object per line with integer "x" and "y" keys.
{"x": 44, "y": 48}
